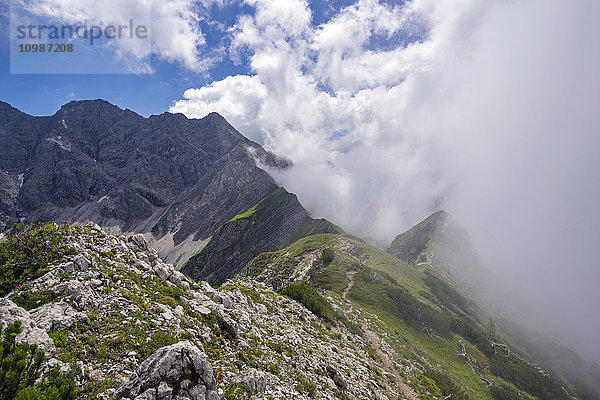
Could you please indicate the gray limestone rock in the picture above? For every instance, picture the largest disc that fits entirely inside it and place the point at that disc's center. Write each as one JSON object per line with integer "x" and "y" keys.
{"x": 254, "y": 379}
{"x": 179, "y": 371}
{"x": 32, "y": 334}
{"x": 56, "y": 316}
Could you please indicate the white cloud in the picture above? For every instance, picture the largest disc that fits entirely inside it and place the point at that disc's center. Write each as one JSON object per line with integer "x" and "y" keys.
{"x": 239, "y": 97}
{"x": 493, "y": 114}
{"x": 335, "y": 108}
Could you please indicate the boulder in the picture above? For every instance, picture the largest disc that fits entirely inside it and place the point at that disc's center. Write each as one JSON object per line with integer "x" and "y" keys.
{"x": 254, "y": 379}
{"x": 337, "y": 378}
{"x": 68, "y": 267}
{"x": 180, "y": 371}
{"x": 229, "y": 326}
{"x": 56, "y": 316}
{"x": 82, "y": 263}
{"x": 162, "y": 271}
{"x": 140, "y": 241}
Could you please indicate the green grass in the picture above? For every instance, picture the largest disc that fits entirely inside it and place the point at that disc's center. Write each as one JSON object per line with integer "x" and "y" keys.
{"x": 421, "y": 312}
{"x": 249, "y": 212}
{"x": 29, "y": 249}
{"x": 332, "y": 278}
{"x": 273, "y": 194}
{"x": 285, "y": 259}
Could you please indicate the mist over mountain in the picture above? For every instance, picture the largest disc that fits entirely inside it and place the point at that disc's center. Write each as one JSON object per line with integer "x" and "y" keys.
{"x": 441, "y": 243}
{"x": 486, "y": 109}
{"x": 203, "y": 196}
{"x": 346, "y": 199}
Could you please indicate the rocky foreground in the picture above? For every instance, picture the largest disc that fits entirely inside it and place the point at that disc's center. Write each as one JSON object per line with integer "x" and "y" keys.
{"x": 127, "y": 325}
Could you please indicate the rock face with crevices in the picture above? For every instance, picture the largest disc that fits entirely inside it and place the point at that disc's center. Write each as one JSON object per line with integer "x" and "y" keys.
{"x": 32, "y": 333}
{"x": 174, "y": 179}
{"x": 179, "y": 372}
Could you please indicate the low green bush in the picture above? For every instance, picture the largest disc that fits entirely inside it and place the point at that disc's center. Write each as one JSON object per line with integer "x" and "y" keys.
{"x": 21, "y": 367}
{"x": 310, "y": 298}
{"x": 30, "y": 300}
{"x": 327, "y": 256}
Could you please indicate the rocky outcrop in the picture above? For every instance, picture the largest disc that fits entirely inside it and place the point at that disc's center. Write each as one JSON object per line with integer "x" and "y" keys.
{"x": 56, "y": 316}
{"x": 337, "y": 378}
{"x": 130, "y": 326}
{"x": 32, "y": 333}
{"x": 179, "y": 372}
{"x": 255, "y": 380}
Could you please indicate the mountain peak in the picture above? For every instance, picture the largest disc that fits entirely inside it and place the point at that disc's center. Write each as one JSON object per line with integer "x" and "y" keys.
{"x": 409, "y": 245}
{"x": 92, "y": 103}
{"x": 215, "y": 116}
{"x": 439, "y": 242}
{"x": 88, "y": 108}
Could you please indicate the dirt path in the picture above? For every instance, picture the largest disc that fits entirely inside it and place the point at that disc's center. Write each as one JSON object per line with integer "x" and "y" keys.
{"x": 373, "y": 340}
{"x": 350, "y": 275}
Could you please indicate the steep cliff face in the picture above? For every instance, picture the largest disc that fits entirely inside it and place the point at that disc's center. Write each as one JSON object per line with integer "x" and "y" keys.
{"x": 176, "y": 178}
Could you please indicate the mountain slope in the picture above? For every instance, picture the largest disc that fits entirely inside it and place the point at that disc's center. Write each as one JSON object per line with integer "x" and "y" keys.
{"x": 429, "y": 326}
{"x": 275, "y": 221}
{"x": 440, "y": 244}
{"x": 108, "y": 311}
{"x": 372, "y": 324}
{"x": 174, "y": 179}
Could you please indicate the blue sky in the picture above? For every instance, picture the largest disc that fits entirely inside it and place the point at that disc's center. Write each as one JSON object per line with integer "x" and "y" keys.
{"x": 43, "y": 94}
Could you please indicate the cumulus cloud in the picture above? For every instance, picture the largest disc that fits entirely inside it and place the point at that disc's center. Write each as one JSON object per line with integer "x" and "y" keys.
{"x": 489, "y": 109}
{"x": 239, "y": 97}
{"x": 335, "y": 102}
{"x": 173, "y": 26}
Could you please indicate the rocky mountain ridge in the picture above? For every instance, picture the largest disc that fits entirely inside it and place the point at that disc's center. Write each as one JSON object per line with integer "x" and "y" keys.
{"x": 127, "y": 325}
{"x": 304, "y": 310}
{"x": 174, "y": 179}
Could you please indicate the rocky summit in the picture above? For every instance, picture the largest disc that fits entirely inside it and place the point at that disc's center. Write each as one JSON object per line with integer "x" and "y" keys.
{"x": 174, "y": 179}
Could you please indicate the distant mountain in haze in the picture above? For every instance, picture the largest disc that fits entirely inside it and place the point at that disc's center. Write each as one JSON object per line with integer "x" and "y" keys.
{"x": 440, "y": 244}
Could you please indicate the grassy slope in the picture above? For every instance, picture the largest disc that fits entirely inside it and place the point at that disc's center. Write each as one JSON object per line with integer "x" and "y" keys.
{"x": 271, "y": 201}
{"x": 393, "y": 290}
